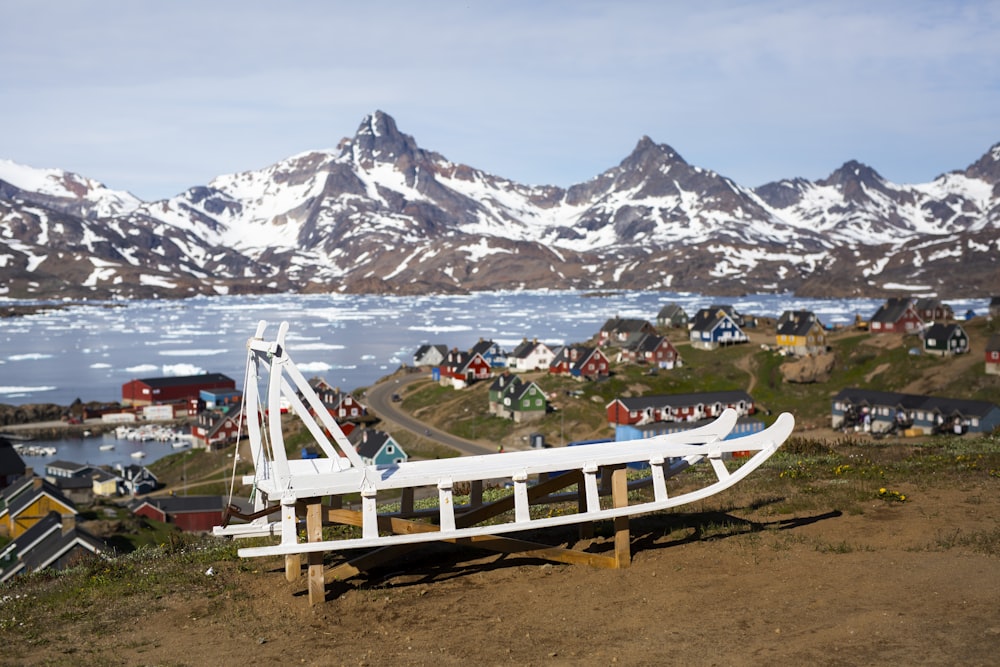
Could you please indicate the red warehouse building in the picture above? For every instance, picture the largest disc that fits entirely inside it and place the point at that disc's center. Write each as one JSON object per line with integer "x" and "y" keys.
{"x": 189, "y": 513}
{"x": 150, "y": 391}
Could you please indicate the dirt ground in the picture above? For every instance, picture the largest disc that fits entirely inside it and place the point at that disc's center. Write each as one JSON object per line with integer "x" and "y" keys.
{"x": 887, "y": 583}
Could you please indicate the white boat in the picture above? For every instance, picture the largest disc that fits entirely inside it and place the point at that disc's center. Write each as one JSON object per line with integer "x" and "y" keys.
{"x": 295, "y": 490}
{"x": 180, "y": 444}
{"x": 138, "y": 455}
{"x": 106, "y": 448}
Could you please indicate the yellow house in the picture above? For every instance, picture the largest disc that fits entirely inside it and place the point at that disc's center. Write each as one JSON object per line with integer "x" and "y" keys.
{"x": 28, "y": 501}
{"x": 800, "y": 332}
{"x": 105, "y": 484}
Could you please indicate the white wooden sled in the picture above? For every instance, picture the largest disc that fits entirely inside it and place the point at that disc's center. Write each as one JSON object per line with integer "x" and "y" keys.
{"x": 595, "y": 475}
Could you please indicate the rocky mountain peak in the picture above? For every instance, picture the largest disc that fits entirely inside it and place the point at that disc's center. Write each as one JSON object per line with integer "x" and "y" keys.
{"x": 987, "y": 167}
{"x": 379, "y": 140}
{"x": 853, "y": 171}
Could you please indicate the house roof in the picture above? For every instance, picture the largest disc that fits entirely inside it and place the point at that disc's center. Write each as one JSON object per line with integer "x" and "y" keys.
{"x": 134, "y": 471}
{"x": 941, "y": 331}
{"x": 505, "y": 380}
{"x": 11, "y": 462}
{"x": 519, "y": 391}
{"x": 625, "y": 325}
{"x": 649, "y": 343}
{"x": 102, "y": 475}
{"x": 892, "y": 310}
{"x": 36, "y": 489}
{"x": 707, "y": 319}
{"x": 949, "y": 406}
{"x": 638, "y": 403}
{"x": 993, "y": 345}
{"x": 47, "y": 541}
{"x": 183, "y": 504}
{"x": 369, "y": 441}
{"x": 483, "y": 347}
{"x": 525, "y": 348}
{"x": 796, "y": 323}
{"x": 68, "y": 466}
{"x": 670, "y": 311}
{"x": 184, "y": 380}
{"x": 424, "y": 349}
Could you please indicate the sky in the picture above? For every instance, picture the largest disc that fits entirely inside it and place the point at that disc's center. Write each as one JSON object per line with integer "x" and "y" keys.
{"x": 155, "y": 98}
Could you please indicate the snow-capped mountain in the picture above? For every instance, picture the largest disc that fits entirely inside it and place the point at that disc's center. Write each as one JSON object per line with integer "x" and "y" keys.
{"x": 381, "y": 214}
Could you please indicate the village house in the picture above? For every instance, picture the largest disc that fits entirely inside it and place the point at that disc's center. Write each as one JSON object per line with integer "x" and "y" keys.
{"x": 498, "y": 389}
{"x": 799, "y": 332}
{"x": 654, "y": 350}
{"x": 220, "y": 399}
{"x": 520, "y": 401}
{"x": 215, "y": 429}
{"x": 622, "y": 330}
{"x": 74, "y": 480}
{"x": 136, "y": 479}
{"x": 892, "y": 412}
{"x": 29, "y": 500}
{"x": 993, "y": 355}
{"x": 580, "y": 361}
{"x": 377, "y": 447}
{"x": 341, "y": 405}
{"x": 494, "y": 355}
{"x": 430, "y": 355}
{"x": 944, "y": 339}
{"x": 54, "y": 542}
{"x": 672, "y": 316}
{"x": 189, "y": 513}
{"x": 711, "y": 328}
{"x": 932, "y": 310}
{"x": 460, "y": 369}
{"x": 105, "y": 484}
{"x": 896, "y": 315}
{"x": 677, "y": 407}
{"x": 530, "y": 355}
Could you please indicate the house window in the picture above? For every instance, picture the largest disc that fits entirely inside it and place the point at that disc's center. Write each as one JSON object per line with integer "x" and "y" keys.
{"x": 389, "y": 449}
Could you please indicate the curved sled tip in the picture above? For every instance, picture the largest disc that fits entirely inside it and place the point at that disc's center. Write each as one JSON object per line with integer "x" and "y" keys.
{"x": 783, "y": 426}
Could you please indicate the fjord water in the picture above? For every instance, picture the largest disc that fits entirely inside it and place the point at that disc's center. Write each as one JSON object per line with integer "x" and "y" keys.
{"x": 88, "y": 351}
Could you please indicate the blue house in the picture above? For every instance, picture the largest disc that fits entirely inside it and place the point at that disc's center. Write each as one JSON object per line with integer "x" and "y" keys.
{"x": 884, "y": 412}
{"x": 377, "y": 447}
{"x": 494, "y": 355}
{"x": 712, "y": 327}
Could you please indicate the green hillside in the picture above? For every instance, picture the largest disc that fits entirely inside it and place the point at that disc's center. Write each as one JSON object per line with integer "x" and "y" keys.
{"x": 883, "y": 362}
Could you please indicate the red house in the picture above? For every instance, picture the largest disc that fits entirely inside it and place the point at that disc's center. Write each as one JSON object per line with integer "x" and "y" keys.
{"x": 150, "y": 391}
{"x": 215, "y": 428}
{"x": 580, "y": 361}
{"x": 189, "y": 513}
{"x": 896, "y": 316}
{"x": 341, "y": 406}
{"x": 654, "y": 350}
{"x": 677, "y": 407}
{"x": 463, "y": 368}
{"x": 993, "y": 355}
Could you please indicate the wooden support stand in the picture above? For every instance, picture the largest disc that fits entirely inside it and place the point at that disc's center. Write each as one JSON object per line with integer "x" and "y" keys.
{"x": 318, "y": 515}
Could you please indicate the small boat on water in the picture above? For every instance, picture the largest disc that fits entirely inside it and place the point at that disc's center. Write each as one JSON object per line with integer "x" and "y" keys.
{"x": 106, "y": 448}
{"x": 138, "y": 455}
